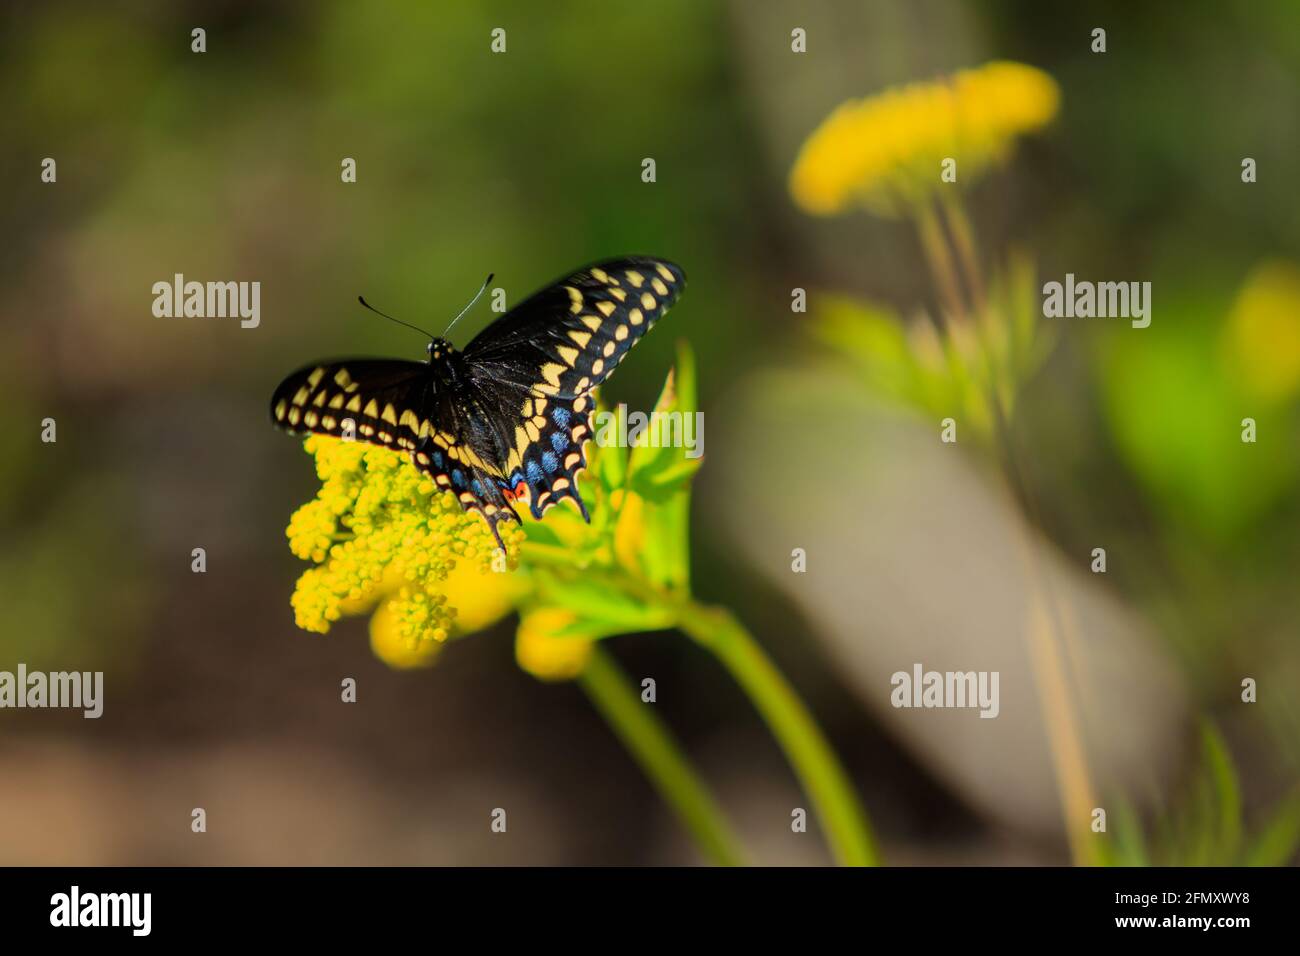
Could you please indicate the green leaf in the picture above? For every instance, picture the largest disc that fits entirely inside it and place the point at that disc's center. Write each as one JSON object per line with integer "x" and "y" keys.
{"x": 1225, "y": 824}
{"x": 611, "y": 459}
{"x": 1129, "y": 844}
{"x": 662, "y": 477}
{"x": 601, "y": 607}
{"x": 1277, "y": 842}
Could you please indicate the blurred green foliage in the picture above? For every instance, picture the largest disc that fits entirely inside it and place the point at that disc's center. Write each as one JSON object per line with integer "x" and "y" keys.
{"x": 1207, "y": 826}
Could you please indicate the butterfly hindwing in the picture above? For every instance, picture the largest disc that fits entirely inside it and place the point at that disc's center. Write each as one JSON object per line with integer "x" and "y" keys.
{"x": 393, "y": 404}
{"x": 547, "y": 456}
{"x": 370, "y": 394}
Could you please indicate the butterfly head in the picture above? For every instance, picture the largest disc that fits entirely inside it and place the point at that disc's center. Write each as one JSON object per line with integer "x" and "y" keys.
{"x": 439, "y": 350}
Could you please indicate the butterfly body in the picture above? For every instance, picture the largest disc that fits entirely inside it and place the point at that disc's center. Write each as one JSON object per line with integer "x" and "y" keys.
{"x": 506, "y": 419}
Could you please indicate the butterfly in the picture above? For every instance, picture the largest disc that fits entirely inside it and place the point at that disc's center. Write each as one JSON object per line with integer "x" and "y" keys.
{"x": 506, "y": 419}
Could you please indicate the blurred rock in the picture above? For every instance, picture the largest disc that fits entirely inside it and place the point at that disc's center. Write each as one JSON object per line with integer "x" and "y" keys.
{"x": 914, "y": 557}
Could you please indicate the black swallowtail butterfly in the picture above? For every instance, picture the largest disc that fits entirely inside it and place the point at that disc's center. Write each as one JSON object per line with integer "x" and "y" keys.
{"x": 506, "y": 419}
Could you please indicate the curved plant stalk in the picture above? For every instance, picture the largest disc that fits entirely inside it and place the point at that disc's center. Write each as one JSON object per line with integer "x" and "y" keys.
{"x": 842, "y": 817}
{"x": 652, "y": 746}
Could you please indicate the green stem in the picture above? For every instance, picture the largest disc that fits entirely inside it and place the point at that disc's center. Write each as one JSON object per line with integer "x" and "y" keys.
{"x": 652, "y": 746}
{"x": 814, "y": 762}
{"x": 963, "y": 235}
{"x": 940, "y": 262}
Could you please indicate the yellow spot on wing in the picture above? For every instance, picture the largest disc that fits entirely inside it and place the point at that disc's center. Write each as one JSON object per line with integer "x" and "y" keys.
{"x": 647, "y": 301}
{"x": 635, "y": 317}
{"x": 552, "y": 371}
{"x": 636, "y": 278}
{"x": 659, "y": 287}
{"x": 300, "y": 396}
{"x": 390, "y": 414}
{"x": 620, "y": 333}
{"x": 663, "y": 271}
{"x": 354, "y": 403}
{"x": 314, "y": 378}
{"x": 569, "y": 355}
{"x": 337, "y": 401}
{"x": 582, "y": 338}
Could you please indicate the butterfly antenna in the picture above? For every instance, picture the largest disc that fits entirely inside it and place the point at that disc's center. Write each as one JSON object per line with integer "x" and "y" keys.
{"x": 477, "y": 296}
{"x": 363, "y": 301}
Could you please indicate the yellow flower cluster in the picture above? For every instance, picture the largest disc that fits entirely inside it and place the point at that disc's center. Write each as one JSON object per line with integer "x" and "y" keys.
{"x": 885, "y": 152}
{"x": 379, "y": 529}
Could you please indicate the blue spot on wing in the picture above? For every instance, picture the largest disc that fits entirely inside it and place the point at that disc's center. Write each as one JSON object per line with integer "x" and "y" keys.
{"x": 560, "y": 415}
{"x": 559, "y": 441}
{"x": 549, "y": 462}
{"x": 458, "y": 479}
{"x": 534, "y": 472}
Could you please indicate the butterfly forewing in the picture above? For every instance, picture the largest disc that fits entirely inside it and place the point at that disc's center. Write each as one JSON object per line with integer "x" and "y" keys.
{"x": 549, "y": 353}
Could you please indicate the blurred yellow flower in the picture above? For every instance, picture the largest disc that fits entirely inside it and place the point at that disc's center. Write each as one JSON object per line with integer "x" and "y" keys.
{"x": 1262, "y": 336}
{"x": 884, "y": 152}
{"x": 546, "y": 656}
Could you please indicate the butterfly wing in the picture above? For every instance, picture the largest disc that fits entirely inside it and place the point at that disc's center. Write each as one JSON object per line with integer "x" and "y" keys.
{"x": 403, "y": 406}
{"x": 538, "y": 364}
{"x": 371, "y": 393}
